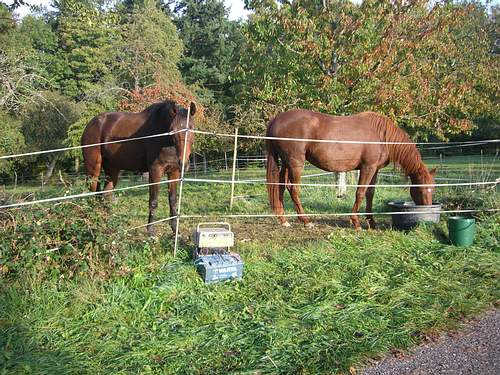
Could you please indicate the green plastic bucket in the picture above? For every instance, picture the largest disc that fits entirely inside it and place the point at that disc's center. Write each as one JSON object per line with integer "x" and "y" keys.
{"x": 461, "y": 230}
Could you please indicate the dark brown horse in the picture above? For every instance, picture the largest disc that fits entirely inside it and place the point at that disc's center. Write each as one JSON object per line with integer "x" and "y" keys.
{"x": 155, "y": 155}
{"x": 340, "y": 157}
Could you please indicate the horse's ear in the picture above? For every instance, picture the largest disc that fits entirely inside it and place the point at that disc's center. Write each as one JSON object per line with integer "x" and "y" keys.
{"x": 172, "y": 109}
{"x": 433, "y": 172}
{"x": 192, "y": 108}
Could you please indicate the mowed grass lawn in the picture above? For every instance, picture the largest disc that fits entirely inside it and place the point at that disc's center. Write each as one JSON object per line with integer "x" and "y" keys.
{"x": 80, "y": 294}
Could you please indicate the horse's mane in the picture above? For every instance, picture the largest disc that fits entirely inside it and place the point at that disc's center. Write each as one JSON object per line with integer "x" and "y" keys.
{"x": 156, "y": 106}
{"x": 405, "y": 156}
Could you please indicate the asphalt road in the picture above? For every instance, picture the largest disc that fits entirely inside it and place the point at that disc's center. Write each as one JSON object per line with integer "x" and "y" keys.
{"x": 473, "y": 350}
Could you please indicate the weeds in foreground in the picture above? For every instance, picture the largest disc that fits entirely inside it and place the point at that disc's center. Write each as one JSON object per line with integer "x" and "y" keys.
{"x": 80, "y": 295}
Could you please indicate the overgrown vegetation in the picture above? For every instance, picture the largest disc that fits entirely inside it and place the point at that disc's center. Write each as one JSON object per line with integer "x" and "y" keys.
{"x": 83, "y": 292}
{"x": 80, "y": 294}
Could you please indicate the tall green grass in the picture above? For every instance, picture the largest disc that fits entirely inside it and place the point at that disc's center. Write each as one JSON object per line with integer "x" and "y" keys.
{"x": 311, "y": 301}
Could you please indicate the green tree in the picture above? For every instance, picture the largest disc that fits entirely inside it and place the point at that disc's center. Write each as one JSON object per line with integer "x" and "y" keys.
{"x": 22, "y": 69}
{"x": 211, "y": 43}
{"x": 11, "y": 141}
{"x": 37, "y": 34}
{"x": 45, "y": 126}
{"x": 425, "y": 63}
{"x": 488, "y": 122}
{"x": 149, "y": 49}
{"x": 7, "y": 21}
{"x": 87, "y": 32}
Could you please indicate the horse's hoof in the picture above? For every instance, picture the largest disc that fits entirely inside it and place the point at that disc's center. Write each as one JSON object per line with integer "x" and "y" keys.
{"x": 309, "y": 225}
{"x": 110, "y": 198}
{"x": 286, "y": 224}
{"x": 356, "y": 225}
{"x": 154, "y": 238}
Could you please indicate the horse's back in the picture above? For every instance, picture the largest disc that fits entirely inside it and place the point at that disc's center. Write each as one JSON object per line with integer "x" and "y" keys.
{"x": 111, "y": 127}
{"x": 356, "y": 133}
{"x": 295, "y": 119}
{"x": 299, "y": 123}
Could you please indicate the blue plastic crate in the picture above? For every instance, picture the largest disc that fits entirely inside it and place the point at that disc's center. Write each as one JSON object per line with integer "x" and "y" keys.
{"x": 218, "y": 267}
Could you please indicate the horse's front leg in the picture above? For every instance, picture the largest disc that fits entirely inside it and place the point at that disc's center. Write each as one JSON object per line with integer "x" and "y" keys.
{"x": 365, "y": 176}
{"x": 154, "y": 179}
{"x": 172, "y": 197}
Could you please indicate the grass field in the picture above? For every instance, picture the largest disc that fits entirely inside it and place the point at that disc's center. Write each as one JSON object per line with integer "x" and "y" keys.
{"x": 79, "y": 294}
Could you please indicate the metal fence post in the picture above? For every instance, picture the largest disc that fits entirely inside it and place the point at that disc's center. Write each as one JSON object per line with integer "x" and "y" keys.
{"x": 235, "y": 155}
{"x": 186, "y": 136}
{"x": 341, "y": 181}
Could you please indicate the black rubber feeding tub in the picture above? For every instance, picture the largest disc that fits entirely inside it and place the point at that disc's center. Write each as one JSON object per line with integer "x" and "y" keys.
{"x": 407, "y": 215}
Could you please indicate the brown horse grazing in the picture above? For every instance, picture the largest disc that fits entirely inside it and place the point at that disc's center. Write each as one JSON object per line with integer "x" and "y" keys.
{"x": 340, "y": 157}
{"x": 155, "y": 155}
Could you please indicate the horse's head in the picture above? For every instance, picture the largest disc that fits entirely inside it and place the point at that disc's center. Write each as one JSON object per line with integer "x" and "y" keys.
{"x": 178, "y": 117}
{"x": 422, "y": 195}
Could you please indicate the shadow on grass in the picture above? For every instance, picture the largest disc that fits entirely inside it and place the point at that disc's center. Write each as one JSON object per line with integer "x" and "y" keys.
{"x": 345, "y": 222}
{"x": 19, "y": 354}
{"x": 440, "y": 234}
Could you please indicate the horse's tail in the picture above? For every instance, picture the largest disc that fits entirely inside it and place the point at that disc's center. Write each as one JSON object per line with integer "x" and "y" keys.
{"x": 92, "y": 157}
{"x": 272, "y": 176}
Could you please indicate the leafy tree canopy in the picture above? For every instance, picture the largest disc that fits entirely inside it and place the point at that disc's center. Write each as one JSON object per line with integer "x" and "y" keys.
{"x": 11, "y": 141}
{"x": 426, "y": 63}
{"x": 87, "y": 32}
{"x": 211, "y": 43}
{"x": 45, "y": 124}
{"x": 149, "y": 49}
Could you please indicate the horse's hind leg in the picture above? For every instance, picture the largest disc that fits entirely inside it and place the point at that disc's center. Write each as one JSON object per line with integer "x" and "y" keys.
{"x": 294, "y": 189}
{"x": 111, "y": 181}
{"x": 370, "y": 192}
{"x": 93, "y": 160}
{"x": 281, "y": 203}
{"x": 366, "y": 174}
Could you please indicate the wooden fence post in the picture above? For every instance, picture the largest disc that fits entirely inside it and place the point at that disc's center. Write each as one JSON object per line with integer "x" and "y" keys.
{"x": 15, "y": 180}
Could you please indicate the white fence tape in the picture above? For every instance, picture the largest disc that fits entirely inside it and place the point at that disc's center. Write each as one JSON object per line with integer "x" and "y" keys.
{"x": 90, "y": 145}
{"x": 446, "y": 144}
{"x": 206, "y": 180}
{"x": 456, "y": 144}
{"x": 74, "y": 196}
{"x": 339, "y": 214}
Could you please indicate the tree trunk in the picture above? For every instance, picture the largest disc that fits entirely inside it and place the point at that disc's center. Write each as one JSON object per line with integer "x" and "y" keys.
{"x": 50, "y": 170}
